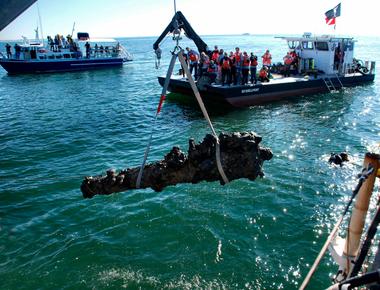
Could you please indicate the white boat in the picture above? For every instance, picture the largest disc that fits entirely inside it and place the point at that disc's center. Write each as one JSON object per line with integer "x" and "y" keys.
{"x": 64, "y": 55}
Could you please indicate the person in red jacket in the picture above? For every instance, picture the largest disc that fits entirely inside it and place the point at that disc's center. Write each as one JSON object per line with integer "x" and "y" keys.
{"x": 238, "y": 64}
{"x": 215, "y": 54}
{"x": 253, "y": 68}
{"x": 245, "y": 68}
{"x": 233, "y": 74}
{"x": 225, "y": 63}
{"x": 193, "y": 58}
{"x": 212, "y": 71}
{"x": 263, "y": 75}
{"x": 267, "y": 60}
{"x": 288, "y": 60}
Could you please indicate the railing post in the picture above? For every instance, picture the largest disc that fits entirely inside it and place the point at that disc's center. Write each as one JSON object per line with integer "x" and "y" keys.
{"x": 360, "y": 209}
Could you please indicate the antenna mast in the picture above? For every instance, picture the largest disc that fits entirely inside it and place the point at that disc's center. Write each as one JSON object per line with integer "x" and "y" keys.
{"x": 72, "y": 31}
{"x": 39, "y": 18}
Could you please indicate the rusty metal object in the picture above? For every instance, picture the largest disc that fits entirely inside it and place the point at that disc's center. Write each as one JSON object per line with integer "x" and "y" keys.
{"x": 241, "y": 156}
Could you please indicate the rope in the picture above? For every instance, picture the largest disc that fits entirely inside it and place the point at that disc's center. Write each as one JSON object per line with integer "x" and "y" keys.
{"x": 363, "y": 176}
{"x": 205, "y": 114}
{"x": 202, "y": 106}
{"x": 162, "y": 99}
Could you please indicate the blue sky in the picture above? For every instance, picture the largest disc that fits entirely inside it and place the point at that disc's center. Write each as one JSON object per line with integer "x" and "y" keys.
{"x": 119, "y": 18}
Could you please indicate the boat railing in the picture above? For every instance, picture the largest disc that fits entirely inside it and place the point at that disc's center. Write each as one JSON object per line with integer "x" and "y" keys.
{"x": 124, "y": 53}
{"x": 110, "y": 52}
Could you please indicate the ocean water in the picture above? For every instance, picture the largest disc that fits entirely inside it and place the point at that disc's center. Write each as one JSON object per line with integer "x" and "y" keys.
{"x": 57, "y": 128}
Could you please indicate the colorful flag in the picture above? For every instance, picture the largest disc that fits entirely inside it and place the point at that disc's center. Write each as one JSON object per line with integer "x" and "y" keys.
{"x": 332, "y": 14}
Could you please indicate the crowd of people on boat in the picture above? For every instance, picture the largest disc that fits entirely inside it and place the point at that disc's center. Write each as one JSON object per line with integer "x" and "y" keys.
{"x": 235, "y": 68}
{"x": 60, "y": 42}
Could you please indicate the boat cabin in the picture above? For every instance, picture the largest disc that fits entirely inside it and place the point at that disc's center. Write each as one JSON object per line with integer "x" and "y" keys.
{"x": 324, "y": 54}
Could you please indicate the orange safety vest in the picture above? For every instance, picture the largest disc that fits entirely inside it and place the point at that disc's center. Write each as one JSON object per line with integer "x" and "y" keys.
{"x": 288, "y": 60}
{"x": 263, "y": 73}
{"x": 246, "y": 61}
{"x": 237, "y": 57}
{"x": 193, "y": 57}
{"x": 226, "y": 64}
{"x": 215, "y": 56}
{"x": 267, "y": 59}
{"x": 254, "y": 63}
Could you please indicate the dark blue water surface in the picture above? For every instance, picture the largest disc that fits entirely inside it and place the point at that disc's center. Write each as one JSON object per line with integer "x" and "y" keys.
{"x": 57, "y": 128}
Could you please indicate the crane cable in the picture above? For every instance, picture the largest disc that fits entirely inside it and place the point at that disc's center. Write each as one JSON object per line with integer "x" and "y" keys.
{"x": 175, "y": 54}
{"x": 205, "y": 114}
{"x": 201, "y": 104}
{"x": 162, "y": 99}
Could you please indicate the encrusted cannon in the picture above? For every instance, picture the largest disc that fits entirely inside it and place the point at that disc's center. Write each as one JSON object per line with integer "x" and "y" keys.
{"x": 240, "y": 153}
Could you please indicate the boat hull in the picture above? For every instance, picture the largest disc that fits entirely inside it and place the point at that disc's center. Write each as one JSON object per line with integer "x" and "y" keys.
{"x": 250, "y": 95}
{"x": 22, "y": 66}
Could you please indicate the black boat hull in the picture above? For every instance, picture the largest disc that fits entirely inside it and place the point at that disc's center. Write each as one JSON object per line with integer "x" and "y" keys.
{"x": 250, "y": 95}
{"x": 22, "y": 66}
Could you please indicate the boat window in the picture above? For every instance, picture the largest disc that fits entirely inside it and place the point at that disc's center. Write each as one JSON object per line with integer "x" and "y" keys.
{"x": 66, "y": 55}
{"x": 349, "y": 45}
{"x": 42, "y": 56}
{"x": 307, "y": 44}
{"x": 51, "y": 56}
{"x": 293, "y": 44}
{"x": 58, "y": 56}
{"x": 73, "y": 55}
{"x": 321, "y": 45}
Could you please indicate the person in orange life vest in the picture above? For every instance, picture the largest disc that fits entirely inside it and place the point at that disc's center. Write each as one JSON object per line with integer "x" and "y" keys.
{"x": 193, "y": 57}
{"x": 288, "y": 60}
{"x": 263, "y": 74}
{"x": 226, "y": 69}
{"x": 212, "y": 71}
{"x": 238, "y": 63}
{"x": 294, "y": 56}
{"x": 245, "y": 68}
{"x": 253, "y": 67}
{"x": 267, "y": 60}
{"x": 215, "y": 54}
{"x": 233, "y": 78}
{"x": 204, "y": 62}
